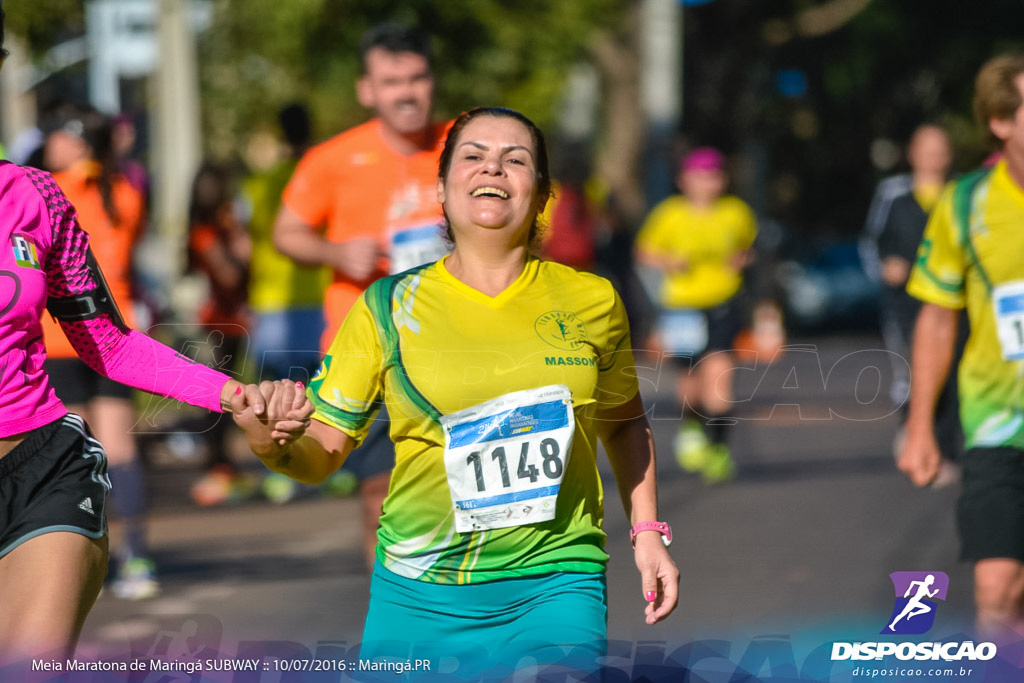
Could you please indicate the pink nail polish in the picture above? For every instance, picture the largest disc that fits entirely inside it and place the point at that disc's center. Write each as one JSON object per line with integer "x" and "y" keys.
{"x": 238, "y": 390}
{"x": 650, "y": 596}
{"x": 298, "y": 384}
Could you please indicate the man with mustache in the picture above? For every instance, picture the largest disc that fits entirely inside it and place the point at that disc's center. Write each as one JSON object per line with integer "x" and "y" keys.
{"x": 365, "y": 204}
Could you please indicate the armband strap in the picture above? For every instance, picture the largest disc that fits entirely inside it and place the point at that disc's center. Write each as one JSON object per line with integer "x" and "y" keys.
{"x": 89, "y": 304}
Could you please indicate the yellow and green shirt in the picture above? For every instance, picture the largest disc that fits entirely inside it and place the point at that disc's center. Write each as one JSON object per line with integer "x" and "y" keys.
{"x": 429, "y": 345}
{"x": 971, "y": 256}
{"x": 708, "y": 239}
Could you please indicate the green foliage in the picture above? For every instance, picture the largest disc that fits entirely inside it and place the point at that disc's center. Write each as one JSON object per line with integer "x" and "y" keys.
{"x": 260, "y": 54}
{"x": 44, "y": 24}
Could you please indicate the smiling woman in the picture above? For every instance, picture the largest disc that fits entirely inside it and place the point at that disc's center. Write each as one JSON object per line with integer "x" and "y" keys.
{"x": 513, "y": 147}
{"x": 490, "y": 543}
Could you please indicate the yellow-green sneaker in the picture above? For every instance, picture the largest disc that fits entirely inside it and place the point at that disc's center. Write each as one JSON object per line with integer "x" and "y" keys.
{"x": 691, "y": 446}
{"x": 279, "y": 488}
{"x": 136, "y": 580}
{"x": 720, "y": 467}
{"x": 341, "y": 484}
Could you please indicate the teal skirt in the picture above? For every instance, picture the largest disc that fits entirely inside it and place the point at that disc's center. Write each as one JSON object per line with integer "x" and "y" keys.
{"x": 487, "y": 630}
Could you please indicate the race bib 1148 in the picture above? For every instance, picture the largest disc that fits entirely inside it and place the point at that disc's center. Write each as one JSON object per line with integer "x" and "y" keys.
{"x": 505, "y": 459}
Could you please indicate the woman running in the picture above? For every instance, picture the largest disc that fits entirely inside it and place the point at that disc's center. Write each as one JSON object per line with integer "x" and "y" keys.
{"x": 500, "y": 372}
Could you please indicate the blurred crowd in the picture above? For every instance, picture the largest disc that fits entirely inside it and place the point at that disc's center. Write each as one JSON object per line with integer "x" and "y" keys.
{"x": 258, "y": 314}
{"x": 703, "y": 286}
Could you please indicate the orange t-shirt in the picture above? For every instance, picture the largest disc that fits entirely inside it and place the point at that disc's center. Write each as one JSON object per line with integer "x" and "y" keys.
{"x": 111, "y": 244}
{"x": 356, "y": 185}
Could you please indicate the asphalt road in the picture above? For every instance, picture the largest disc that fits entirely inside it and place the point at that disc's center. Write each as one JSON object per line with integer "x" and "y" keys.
{"x": 794, "y": 553}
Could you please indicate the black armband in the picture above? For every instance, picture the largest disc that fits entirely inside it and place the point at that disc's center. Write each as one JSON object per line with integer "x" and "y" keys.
{"x": 90, "y": 304}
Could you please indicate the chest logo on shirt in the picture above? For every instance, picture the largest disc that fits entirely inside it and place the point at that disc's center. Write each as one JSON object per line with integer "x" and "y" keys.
{"x": 24, "y": 252}
{"x": 362, "y": 158}
{"x": 561, "y": 329}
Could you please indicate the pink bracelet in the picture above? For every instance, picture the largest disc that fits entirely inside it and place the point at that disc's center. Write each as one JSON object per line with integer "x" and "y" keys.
{"x": 661, "y": 527}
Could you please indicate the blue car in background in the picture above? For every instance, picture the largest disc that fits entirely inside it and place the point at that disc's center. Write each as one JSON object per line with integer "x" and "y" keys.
{"x": 825, "y": 289}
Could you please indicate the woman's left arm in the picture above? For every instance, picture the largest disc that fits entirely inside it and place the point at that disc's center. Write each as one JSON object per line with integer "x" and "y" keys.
{"x": 629, "y": 443}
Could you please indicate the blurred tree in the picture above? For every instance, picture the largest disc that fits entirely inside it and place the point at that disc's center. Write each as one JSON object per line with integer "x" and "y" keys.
{"x": 819, "y": 97}
{"x": 44, "y": 24}
{"x": 262, "y": 53}
{"x": 814, "y": 98}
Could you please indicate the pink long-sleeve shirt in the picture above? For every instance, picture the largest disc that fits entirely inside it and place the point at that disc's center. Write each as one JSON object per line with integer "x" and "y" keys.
{"x": 43, "y": 254}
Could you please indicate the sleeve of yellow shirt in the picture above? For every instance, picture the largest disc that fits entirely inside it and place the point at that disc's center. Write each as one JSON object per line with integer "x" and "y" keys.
{"x": 657, "y": 228}
{"x": 616, "y": 381}
{"x": 347, "y": 390}
{"x": 748, "y": 224}
{"x": 938, "y": 273}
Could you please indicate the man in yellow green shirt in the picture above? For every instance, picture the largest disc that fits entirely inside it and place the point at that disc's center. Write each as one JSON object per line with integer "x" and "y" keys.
{"x": 970, "y": 258}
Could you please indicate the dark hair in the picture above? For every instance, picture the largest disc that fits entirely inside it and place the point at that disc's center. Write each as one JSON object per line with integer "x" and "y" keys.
{"x": 295, "y": 125}
{"x": 211, "y": 190}
{"x": 96, "y": 130}
{"x": 3, "y": 52}
{"x": 543, "y": 176}
{"x": 394, "y": 37}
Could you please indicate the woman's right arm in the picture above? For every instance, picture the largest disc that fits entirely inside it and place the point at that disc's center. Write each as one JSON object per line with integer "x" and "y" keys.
{"x": 272, "y": 414}
{"x": 346, "y": 393}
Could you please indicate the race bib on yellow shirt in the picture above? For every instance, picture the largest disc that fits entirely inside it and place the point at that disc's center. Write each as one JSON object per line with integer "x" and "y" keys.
{"x": 505, "y": 459}
{"x": 1008, "y": 301}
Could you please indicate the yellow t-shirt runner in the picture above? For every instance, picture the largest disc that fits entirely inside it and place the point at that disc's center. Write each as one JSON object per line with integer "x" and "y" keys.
{"x": 707, "y": 239}
{"x": 432, "y": 347}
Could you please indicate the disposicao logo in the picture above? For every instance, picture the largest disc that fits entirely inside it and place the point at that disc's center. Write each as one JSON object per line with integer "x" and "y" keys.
{"x": 912, "y": 614}
{"x": 916, "y": 592}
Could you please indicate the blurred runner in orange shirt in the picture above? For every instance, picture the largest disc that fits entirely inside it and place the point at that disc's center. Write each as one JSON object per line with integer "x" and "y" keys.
{"x": 365, "y": 204}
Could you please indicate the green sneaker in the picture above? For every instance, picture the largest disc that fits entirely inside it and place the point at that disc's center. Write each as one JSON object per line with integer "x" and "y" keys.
{"x": 279, "y": 488}
{"x": 341, "y": 484}
{"x": 691, "y": 446}
{"x": 720, "y": 467}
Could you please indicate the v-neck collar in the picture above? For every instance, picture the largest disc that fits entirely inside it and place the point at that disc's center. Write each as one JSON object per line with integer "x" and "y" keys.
{"x": 510, "y": 292}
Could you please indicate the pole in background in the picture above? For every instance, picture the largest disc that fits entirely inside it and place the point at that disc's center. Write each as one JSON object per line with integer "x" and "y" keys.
{"x": 17, "y": 100}
{"x": 661, "y": 91}
{"x": 177, "y": 143}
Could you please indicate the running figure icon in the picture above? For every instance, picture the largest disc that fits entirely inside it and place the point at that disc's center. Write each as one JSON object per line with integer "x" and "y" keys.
{"x": 916, "y": 605}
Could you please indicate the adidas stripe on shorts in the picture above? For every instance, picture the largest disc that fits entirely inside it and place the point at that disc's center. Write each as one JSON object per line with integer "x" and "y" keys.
{"x": 54, "y": 480}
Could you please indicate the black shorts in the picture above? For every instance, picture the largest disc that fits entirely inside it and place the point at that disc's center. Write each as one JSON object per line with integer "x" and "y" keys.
{"x": 376, "y": 454}
{"x": 724, "y": 323}
{"x": 54, "y": 480}
{"x": 77, "y": 384}
{"x": 990, "y": 512}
